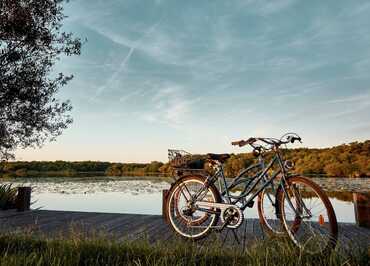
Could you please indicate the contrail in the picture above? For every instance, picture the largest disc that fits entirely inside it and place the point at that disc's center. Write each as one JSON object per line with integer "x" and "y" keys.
{"x": 125, "y": 61}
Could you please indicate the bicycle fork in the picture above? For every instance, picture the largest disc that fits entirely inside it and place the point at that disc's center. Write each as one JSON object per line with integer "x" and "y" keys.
{"x": 301, "y": 206}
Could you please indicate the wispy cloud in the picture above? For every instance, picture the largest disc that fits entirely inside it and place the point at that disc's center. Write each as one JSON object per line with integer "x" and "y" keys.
{"x": 270, "y": 7}
{"x": 170, "y": 106}
{"x": 349, "y": 106}
{"x": 266, "y": 7}
{"x": 124, "y": 61}
{"x": 138, "y": 93}
{"x": 358, "y": 98}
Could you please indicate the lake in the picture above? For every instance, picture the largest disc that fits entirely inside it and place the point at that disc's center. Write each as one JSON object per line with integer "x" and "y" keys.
{"x": 117, "y": 195}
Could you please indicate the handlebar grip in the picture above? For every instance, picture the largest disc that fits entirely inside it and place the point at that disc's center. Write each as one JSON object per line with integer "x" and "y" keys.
{"x": 242, "y": 143}
{"x": 239, "y": 143}
{"x": 293, "y": 139}
{"x": 251, "y": 141}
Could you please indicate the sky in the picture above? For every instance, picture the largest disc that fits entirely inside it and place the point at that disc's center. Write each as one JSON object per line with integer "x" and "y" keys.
{"x": 196, "y": 75}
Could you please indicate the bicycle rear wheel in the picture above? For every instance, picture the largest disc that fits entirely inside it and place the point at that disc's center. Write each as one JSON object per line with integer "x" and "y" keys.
{"x": 184, "y": 218}
{"x": 308, "y": 216}
{"x": 268, "y": 212}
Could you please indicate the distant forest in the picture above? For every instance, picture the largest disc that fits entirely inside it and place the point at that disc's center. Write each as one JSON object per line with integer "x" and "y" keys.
{"x": 347, "y": 160}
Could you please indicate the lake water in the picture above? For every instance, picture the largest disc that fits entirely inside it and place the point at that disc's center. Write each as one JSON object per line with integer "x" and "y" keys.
{"x": 117, "y": 195}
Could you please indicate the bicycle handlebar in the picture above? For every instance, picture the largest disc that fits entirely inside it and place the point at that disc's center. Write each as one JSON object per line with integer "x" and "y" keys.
{"x": 242, "y": 143}
{"x": 269, "y": 141}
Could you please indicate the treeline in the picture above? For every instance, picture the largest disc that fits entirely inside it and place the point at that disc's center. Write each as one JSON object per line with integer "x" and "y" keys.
{"x": 64, "y": 168}
{"x": 347, "y": 160}
{"x": 50, "y": 168}
{"x": 119, "y": 169}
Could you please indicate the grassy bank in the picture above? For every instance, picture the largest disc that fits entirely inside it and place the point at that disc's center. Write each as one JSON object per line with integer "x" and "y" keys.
{"x": 28, "y": 250}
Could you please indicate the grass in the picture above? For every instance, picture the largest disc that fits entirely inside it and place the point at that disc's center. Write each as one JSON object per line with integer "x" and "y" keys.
{"x": 16, "y": 249}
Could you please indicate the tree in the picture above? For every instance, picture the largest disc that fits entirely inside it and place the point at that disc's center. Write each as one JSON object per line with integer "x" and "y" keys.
{"x": 153, "y": 167}
{"x": 31, "y": 41}
{"x": 114, "y": 170}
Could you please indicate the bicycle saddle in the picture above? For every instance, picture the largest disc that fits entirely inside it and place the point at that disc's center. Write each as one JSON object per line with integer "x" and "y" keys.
{"x": 218, "y": 157}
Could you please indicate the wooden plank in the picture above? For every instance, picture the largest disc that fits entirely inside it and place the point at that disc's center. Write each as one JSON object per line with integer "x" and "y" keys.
{"x": 94, "y": 223}
{"x": 35, "y": 217}
{"x": 116, "y": 228}
{"x": 116, "y": 221}
{"x": 353, "y": 237}
{"x": 9, "y": 213}
{"x": 26, "y": 219}
{"x": 65, "y": 220}
{"x": 257, "y": 231}
{"x": 365, "y": 232}
{"x": 125, "y": 230}
{"x": 129, "y": 221}
{"x": 137, "y": 231}
{"x": 149, "y": 230}
{"x": 165, "y": 233}
{"x": 249, "y": 226}
{"x": 133, "y": 226}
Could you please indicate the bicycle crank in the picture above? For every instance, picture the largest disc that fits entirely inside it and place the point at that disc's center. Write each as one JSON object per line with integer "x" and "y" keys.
{"x": 231, "y": 215}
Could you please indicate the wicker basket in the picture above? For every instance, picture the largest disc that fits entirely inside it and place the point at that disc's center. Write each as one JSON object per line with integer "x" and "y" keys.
{"x": 179, "y": 158}
{"x": 184, "y": 163}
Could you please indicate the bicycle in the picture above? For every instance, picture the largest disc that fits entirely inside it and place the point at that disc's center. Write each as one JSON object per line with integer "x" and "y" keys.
{"x": 195, "y": 205}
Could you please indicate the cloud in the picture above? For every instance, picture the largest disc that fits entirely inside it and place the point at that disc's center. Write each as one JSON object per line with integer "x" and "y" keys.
{"x": 266, "y": 7}
{"x": 350, "y": 105}
{"x": 124, "y": 61}
{"x": 133, "y": 95}
{"x": 360, "y": 9}
{"x": 270, "y": 7}
{"x": 358, "y": 98}
{"x": 170, "y": 106}
{"x": 158, "y": 2}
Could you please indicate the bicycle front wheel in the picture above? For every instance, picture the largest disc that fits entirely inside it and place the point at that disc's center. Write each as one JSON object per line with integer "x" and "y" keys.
{"x": 308, "y": 216}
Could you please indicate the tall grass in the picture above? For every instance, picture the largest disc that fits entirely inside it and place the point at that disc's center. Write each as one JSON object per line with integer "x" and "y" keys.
{"x": 8, "y": 196}
{"x": 30, "y": 250}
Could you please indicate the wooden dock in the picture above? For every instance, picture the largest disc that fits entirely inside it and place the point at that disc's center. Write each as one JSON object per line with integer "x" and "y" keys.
{"x": 134, "y": 226}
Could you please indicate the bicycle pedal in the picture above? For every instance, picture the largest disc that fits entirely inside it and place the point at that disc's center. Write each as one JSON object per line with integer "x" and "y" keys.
{"x": 250, "y": 204}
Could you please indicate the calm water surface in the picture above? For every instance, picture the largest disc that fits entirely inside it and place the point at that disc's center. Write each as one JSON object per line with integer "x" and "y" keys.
{"x": 145, "y": 196}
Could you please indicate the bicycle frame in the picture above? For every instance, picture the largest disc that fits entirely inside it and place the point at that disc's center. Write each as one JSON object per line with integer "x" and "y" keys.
{"x": 252, "y": 183}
